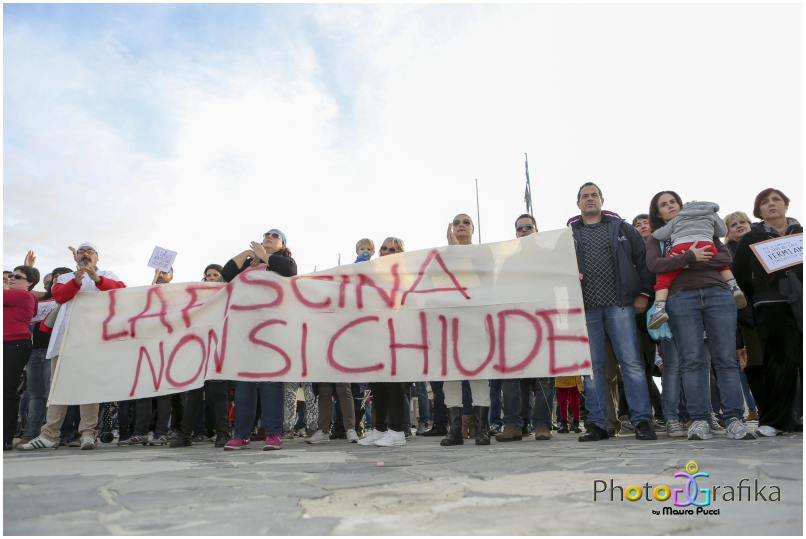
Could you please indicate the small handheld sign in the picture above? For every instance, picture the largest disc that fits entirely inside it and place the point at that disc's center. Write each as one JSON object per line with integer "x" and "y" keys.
{"x": 779, "y": 253}
{"x": 162, "y": 259}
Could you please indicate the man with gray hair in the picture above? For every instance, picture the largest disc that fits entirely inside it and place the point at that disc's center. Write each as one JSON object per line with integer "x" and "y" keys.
{"x": 89, "y": 278}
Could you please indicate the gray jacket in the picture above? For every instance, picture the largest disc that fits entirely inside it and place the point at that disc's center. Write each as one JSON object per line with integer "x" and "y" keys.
{"x": 698, "y": 221}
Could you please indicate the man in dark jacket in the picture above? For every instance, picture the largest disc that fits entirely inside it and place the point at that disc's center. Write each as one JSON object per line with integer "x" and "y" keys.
{"x": 616, "y": 285}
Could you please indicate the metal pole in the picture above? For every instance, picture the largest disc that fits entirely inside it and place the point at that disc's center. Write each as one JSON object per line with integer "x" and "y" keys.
{"x": 339, "y": 259}
{"x": 478, "y": 209}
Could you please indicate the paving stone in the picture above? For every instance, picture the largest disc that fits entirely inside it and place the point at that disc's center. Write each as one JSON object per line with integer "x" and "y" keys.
{"x": 145, "y": 501}
{"x": 23, "y": 505}
{"x": 285, "y": 489}
{"x": 335, "y": 482}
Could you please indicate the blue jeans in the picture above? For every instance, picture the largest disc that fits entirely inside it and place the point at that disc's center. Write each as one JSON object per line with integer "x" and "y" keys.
{"x": 467, "y": 399}
{"x": 422, "y": 402}
{"x": 39, "y": 389}
{"x": 618, "y": 323}
{"x": 716, "y": 399}
{"x": 748, "y": 397}
{"x": 672, "y": 398}
{"x": 714, "y": 310}
{"x": 271, "y": 404}
{"x": 440, "y": 410}
{"x": 496, "y": 403}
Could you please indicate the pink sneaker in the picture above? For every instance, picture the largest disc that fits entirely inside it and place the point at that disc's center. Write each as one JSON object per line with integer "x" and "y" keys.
{"x": 237, "y": 443}
{"x": 272, "y": 441}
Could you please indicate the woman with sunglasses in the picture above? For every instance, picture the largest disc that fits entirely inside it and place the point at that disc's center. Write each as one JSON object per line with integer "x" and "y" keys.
{"x": 389, "y": 398}
{"x": 274, "y": 254}
{"x": 460, "y": 232}
{"x": 19, "y": 307}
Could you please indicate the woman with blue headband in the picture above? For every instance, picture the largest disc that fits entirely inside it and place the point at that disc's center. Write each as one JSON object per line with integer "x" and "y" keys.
{"x": 275, "y": 256}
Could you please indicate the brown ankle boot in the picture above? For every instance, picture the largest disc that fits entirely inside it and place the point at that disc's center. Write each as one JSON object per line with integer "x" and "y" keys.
{"x": 467, "y": 425}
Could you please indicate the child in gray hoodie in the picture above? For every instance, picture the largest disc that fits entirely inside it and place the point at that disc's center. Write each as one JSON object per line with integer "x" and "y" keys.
{"x": 695, "y": 225}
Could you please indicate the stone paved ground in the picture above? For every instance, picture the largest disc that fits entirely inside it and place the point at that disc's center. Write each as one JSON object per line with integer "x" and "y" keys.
{"x": 518, "y": 488}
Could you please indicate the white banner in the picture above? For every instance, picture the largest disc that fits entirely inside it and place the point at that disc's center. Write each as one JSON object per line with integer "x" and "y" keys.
{"x": 504, "y": 310}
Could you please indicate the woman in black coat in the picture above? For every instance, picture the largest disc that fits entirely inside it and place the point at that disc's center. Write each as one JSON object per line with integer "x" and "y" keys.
{"x": 778, "y": 322}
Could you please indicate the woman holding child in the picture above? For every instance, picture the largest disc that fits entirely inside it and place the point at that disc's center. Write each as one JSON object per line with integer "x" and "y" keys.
{"x": 698, "y": 297}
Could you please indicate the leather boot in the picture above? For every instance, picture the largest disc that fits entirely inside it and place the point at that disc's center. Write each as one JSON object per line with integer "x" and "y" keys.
{"x": 454, "y": 436}
{"x": 221, "y": 412}
{"x": 575, "y": 426}
{"x": 471, "y": 431}
{"x": 466, "y": 426}
{"x": 481, "y": 416}
{"x": 563, "y": 427}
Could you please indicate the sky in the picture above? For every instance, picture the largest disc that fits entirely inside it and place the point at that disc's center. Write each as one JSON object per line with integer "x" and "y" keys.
{"x": 197, "y": 127}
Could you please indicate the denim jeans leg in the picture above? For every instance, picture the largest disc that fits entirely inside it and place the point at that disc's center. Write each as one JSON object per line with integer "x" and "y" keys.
{"x": 512, "y": 403}
{"x": 38, "y": 389}
{"x": 720, "y": 325}
{"x": 686, "y": 319}
{"x": 748, "y": 396}
{"x": 496, "y": 404}
{"x": 620, "y": 327}
{"x": 422, "y": 402}
{"x": 596, "y": 387}
{"x": 670, "y": 379}
{"x": 544, "y": 403}
{"x": 716, "y": 408}
{"x": 467, "y": 398}
{"x": 245, "y": 405}
{"x": 440, "y": 411}
{"x": 272, "y": 396}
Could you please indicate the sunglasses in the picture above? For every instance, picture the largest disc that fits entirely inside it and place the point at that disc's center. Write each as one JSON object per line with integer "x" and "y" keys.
{"x": 274, "y": 235}
{"x": 465, "y": 221}
{"x": 83, "y": 252}
{"x": 521, "y": 227}
{"x": 18, "y": 276}
{"x": 392, "y": 250}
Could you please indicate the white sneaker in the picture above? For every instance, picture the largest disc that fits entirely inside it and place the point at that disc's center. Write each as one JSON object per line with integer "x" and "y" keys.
{"x": 699, "y": 430}
{"x": 768, "y": 431}
{"x": 38, "y": 443}
{"x": 391, "y": 438}
{"x": 88, "y": 442}
{"x": 739, "y": 431}
{"x": 372, "y": 437}
{"x": 674, "y": 429}
{"x": 352, "y": 436}
{"x": 319, "y": 438}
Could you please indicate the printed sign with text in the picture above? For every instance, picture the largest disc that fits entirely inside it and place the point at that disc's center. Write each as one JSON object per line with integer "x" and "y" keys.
{"x": 162, "y": 259}
{"x": 780, "y": 252}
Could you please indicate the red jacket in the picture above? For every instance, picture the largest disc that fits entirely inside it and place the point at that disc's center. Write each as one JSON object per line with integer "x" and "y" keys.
{"x": 19, "y": 307}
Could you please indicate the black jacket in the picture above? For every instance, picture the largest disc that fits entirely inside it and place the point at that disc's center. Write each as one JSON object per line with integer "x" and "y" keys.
{"x": 284, "y": 265}
{"x": 753, "y": 279}
{"x": 629, "y": 252}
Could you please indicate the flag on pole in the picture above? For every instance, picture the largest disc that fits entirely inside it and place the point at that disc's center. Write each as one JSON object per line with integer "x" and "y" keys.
{"x": 527, "y": 197}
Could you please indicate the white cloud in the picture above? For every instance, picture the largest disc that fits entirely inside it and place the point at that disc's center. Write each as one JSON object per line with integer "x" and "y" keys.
{"x": 384, "y": 132}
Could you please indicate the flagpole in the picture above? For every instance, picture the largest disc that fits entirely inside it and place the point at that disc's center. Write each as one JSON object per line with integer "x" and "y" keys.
{"x": 478, "y": 209}
{"x": 528, "y": 196}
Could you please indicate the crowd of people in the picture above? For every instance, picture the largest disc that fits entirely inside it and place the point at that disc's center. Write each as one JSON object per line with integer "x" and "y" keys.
{"x": 665, "y": 296}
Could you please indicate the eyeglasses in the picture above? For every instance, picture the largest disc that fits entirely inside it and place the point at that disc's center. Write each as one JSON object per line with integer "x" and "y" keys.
{"x": 391, "y": 250}
{"x": 274, "y": 235}
{"x": 18, "y": 276}
{"x": 465, "y": 221}
{"x": 521, "y": 227}
{"x": 85, "y": 252}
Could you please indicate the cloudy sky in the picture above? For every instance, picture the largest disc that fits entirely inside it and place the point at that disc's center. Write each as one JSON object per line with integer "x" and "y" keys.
{"x": 199, "y": 127}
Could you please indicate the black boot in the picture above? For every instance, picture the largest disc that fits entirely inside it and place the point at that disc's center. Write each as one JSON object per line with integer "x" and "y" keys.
{"x": 182, "y": 440}
{"x": 563, "y": 427}
{"x": 481, "y": 416}
{"x": 575, "y": 426}
{"x": 454, "y": 436}
{"x": 221, "y": 412}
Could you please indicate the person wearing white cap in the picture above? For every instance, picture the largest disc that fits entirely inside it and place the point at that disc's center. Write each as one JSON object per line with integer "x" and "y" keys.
{"x": 89, "y": 278}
